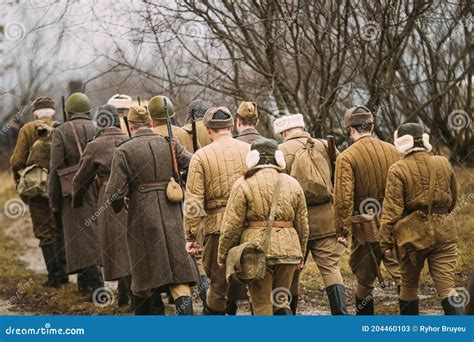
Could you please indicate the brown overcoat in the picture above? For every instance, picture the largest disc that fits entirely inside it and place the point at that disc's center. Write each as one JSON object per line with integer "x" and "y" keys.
{"x": 81, "y": 234}
{"x": 155, "y": 236}
{"x": 96, "y": 162}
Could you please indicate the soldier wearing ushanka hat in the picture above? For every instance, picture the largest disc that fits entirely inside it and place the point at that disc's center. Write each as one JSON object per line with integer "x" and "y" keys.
{"x": 420, "y": 193}
{"x": 213, "y": 170}
{"x": 45, "y": 230}
{"x": 247, "y": 122}
{"x": 322, "y": 240}
{"x": 359, "y": 190}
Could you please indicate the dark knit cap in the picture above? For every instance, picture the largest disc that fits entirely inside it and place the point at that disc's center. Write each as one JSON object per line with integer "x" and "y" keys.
{"x": 107, "y": 116}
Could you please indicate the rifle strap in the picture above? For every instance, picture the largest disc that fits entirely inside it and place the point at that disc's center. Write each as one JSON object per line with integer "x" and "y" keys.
{"x": 271, "y": 218}
{"x": 432, "y": 169}
{"x": 76, "y": 138}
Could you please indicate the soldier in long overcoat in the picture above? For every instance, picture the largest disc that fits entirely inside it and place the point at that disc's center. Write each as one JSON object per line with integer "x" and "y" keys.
{"x": 81, "y": 234}
{"x": 95, "y": 165}
{"x": 141, "y": 170}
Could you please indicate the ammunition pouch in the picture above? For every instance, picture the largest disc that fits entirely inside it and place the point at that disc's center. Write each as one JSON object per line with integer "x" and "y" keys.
{"x": 66, "y": 176}
{"x": 365, "y": 228}
{"x": 246, "y": 263}
{"x": 174, "y": 191}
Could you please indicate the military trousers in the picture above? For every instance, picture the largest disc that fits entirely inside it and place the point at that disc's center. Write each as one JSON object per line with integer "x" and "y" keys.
{"x": 326, "y": 254}
{"x": 273, "y": 291}
{"x": 441, "y": 260}
{"x": 217, "y": 293}
{"x": 44, "y": 227}
{"x": 177, "y": 290}
{"x": 364, "y": 266}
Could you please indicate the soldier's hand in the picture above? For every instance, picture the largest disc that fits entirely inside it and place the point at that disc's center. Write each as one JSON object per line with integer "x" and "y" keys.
{"x": 191, "y": 248}
{"x": 342, "y": 240}
{"x": 388, "y": 253}
{"x": 220, "y": 264}
{"x": 300, "y": 266}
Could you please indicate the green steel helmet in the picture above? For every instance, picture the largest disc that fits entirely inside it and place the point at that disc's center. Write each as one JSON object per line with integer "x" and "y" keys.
{"x": 78, "y": 103}
{"x": 156, "y": 107}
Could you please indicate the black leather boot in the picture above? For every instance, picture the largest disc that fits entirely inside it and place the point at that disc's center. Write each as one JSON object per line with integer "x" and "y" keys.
{"x": 337, "y": 299}
{"x": 209, "y": 312}
{"x": 157, "y": 305}
{"x": 409, "y": 308}
{"x": 60, "y": 252}
{"x": 231, "y": 308}
{"x": 51, "y": 265}
{"x": 283, "y": 312}
{"x": 142, "y": 305}
{"x": 449, "y": 309}
{"x": 294, "y": 304}
{"x": 88, "y": 280}
{"x": 124, "y": 284}
{"x": 184, "y": 306}
{"x": 365, "y": 307}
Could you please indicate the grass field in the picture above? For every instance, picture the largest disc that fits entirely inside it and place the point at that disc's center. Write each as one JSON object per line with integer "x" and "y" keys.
{"x": 21, "y": 287}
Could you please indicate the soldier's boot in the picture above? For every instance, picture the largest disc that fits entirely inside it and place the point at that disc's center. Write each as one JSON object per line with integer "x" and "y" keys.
{"x": 209, "y": 312}
{"x": 60, "y": 252}
{"x": 449, "y": 308}
{"x": 51, "y": 265}
{"x": 142, "y": 305}
{"x": 337, "y": 299}
{"x": 409, "y": 308}
{"x": 202, "y": 290}
{"x": 231, "y": 308}
{"x": 365, "y": 307}
{"x": 157, "y": 305}
{"x": 294, "y": 304}
{"x": 184, "y": 306}
{"x": 170, "y": 297}
{"x": 88, "y": 280}
{"x": 283, "y": 312}
{"x": 124, "y": 284}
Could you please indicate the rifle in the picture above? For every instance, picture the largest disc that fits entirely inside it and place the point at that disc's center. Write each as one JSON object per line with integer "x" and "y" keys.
{"x": 125, "y": 120}
{"x": 139, "y": 102}
{"x": 172, "y": 145}
{"x": 194, "y": 131}
{"x": 332, "y": 154}
{"x": 64, "y": 109}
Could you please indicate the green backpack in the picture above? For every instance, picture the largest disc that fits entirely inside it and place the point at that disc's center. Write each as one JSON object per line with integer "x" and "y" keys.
{"x": 33, "y": 180}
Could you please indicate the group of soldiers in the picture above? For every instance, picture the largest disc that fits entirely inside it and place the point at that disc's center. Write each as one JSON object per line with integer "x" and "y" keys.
{"x": 159, "y": 208}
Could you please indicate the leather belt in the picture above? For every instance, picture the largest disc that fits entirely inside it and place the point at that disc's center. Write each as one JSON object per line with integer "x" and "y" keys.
{"x": 153, "y": 186}
{"x": 215, "y": 211}
{"x": 276, "y": 224}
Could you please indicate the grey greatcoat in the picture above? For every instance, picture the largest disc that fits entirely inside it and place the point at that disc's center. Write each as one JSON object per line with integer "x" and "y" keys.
{"x": 249, "y": 135}
{"x": 95, "y": 164}
{"x": 81, "y": 235}
{"x": 155, "y": 236}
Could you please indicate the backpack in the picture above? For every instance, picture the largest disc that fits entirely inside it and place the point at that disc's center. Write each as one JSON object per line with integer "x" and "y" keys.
{"x": 312, "y": 171}
{"x": 33, "y": 180}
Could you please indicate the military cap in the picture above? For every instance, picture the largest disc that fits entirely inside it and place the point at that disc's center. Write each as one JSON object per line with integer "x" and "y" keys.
{"x": 42, "y": 102}
{"x": 138, "y": 114}
{"x": 263, "y": 153}
{"x": 106, "y": 116}
{"x": 358, "y": 115}
{"x": 197, "y": 109}
{"x": 120, "y": 101}
{"x": 78, "y": 103}
{"x": 288, "y": 122}
{"x": 211, "y": 121}
{"x": 156, "y": 107}
{"x": 247, "y": 110}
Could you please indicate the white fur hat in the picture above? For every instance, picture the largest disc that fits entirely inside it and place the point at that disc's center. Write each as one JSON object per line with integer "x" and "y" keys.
{"x": 405, "y": 143}
{"x": 120, "y": 101}
{"x": 288, "y": 122}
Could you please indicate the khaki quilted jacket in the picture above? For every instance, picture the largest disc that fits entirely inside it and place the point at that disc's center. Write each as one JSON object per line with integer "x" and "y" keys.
{"x": 212, "y": 172}
{"x": 250, "y": 200}
{"x": 178, "y": 133}
{"x": 408, "y": 188}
